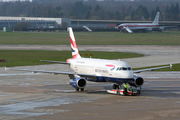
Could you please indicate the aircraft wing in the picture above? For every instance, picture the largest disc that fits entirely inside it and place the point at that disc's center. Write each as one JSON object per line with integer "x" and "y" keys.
{"x": 71, "y": 74}
{"x": 128, "y": 29}
{"x": 151, "y": 69}
{"x": 59, "y": 62}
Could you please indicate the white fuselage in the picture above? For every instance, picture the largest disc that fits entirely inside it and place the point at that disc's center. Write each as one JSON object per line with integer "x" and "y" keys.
{"x": 102, "y": 68}
{"x": 134, "y": 26}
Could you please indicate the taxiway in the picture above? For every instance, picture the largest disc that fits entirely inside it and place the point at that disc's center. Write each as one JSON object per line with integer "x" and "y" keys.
{"x": 29, "y": 96}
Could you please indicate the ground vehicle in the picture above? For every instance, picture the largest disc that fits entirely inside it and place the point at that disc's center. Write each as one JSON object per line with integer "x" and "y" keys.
{"x": 130, "y": 91}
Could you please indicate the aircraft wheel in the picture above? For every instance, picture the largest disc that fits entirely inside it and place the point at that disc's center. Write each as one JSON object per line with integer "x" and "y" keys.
{"x": 114, "y": 86}
{"x": 119, "y": 86}
{"x": 82, "y": 89}
{"x": 139, "y": 92}
{"x": 77, "y": 89}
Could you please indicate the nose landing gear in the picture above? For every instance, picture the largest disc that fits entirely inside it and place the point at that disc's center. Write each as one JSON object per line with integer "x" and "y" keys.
{"x": 117, "y": 86}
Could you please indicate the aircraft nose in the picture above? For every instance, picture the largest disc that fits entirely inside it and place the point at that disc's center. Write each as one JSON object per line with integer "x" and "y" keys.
{"x": 128, "y": 74}
{"x": 120, "y": 27}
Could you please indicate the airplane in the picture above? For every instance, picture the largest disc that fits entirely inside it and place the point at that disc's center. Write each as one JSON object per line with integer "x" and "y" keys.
{"x": 130, "y": 27}
{"x": 95, "y": 70}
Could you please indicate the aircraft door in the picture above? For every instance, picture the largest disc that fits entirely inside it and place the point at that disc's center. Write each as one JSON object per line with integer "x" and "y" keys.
{"x": 110, "y": 72}
{"x": 76, "y": 68}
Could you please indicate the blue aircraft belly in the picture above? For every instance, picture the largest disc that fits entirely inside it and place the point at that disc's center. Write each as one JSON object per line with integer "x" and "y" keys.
{"x": 111, "y": 79}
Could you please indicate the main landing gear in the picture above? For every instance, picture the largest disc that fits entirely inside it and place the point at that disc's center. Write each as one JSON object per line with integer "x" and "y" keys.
{"x": 117, "y": 86}
{"x": 82, "y": 89}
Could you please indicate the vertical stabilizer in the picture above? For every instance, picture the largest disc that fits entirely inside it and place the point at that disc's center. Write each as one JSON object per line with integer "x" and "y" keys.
{"x": 75, "y": 52}
{"x": 156, "y": 20}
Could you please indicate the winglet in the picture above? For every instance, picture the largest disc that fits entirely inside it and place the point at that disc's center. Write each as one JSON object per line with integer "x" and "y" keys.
{"x": 6, "y": 69}
{"x": 170, "y": 65}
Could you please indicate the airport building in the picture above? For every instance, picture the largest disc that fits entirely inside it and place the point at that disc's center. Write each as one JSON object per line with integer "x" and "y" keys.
{"x": 33, "y": 22}
{"x": 37, "y": 23}
{"x": 54, "y": 23}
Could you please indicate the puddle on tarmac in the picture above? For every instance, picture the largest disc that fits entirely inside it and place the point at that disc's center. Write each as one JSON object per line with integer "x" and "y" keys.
{"x": 25, "y": 109}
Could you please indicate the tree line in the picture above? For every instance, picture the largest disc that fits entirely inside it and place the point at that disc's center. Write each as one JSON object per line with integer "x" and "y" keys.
{"x": 82, "y": 10}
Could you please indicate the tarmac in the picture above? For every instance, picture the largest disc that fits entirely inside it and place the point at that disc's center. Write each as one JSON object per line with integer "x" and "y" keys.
{"x": 24, "y": 95}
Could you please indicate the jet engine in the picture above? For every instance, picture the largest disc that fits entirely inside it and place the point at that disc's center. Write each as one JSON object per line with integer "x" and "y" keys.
{"x": 78, "y": 83}
{"x": 161, "y": 28}
{"x": 149, "y": 29}
{"x": 138, "y": 81}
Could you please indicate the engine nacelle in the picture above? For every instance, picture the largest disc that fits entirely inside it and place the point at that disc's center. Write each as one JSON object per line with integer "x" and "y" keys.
{"x": 78, "y": 82}
{"x": 161, "y": 28}
{"x": 138, "y": 81}
{"x": 149, "y": 29}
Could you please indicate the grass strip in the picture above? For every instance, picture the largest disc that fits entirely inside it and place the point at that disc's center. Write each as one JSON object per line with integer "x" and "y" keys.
{"x": 93, "y": 38}
{"x": 32, "y": 57}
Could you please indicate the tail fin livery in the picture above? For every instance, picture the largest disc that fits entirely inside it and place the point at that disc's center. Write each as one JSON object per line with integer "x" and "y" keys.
{"x": 156, "y": 19}
{"x": 75, "y": 52}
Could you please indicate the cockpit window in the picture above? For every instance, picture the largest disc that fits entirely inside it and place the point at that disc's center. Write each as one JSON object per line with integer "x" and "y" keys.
{"x": 119, "y": 68}
{"x": 123, "y": 68}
